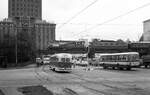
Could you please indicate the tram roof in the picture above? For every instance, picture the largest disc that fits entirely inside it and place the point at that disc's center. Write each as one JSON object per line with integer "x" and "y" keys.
{"x": 124, "y": 53}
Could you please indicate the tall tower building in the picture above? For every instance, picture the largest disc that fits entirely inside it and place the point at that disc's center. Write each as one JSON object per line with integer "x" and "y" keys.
{"x": 146, "y": 29}
{"x": 25, "y": 8}
{"x": 25, "y": 30}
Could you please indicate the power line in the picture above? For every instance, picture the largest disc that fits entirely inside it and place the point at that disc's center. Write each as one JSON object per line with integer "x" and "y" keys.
{"x": 78, "y": 14}
{"x": 117, "y": 17}
{"x": 120, "y": 24}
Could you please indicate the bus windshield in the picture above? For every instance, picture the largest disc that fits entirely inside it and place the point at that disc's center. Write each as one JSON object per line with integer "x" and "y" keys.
{"x": 65, "y": 59}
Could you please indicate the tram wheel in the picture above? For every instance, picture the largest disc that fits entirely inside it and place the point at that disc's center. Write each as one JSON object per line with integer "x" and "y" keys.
{"x": 146, "y": 66}
{"x": 120, "y": 68}
{"x": 128, "y": 68}
{"x": 113, "y": 68}
{"x": 53, "y": 69}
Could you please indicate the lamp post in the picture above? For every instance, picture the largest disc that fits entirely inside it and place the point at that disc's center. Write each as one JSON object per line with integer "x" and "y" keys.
{"x": 16, "y": 37}
{"x": 16, "y": 44}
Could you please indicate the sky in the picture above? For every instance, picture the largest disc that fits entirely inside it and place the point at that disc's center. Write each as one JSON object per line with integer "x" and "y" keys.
{"x": 129, "y": 26}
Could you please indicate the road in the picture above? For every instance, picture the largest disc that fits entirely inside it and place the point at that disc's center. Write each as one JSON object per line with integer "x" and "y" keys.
{"x": 96, "y": 81}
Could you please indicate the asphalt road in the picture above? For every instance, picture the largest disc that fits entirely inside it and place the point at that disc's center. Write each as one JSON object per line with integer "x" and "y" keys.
{"x": 96, "y": 81}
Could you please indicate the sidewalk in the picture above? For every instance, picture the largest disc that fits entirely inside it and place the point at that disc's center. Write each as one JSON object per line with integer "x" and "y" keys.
{"x": 20, "y": 67}
{"x": 10, "y": 91}
{"x": 30, "y": 66}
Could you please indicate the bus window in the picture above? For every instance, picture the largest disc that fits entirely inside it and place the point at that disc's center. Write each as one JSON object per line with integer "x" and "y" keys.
{"x": 104, "y": 58}
{"x": 123, "y": 57}
{"x": 132, "y": 57}
{"x": 129, "y": 58}
{"x": 120, "y": 58}
{"x": 63, "y": 59}
{"x": 114, "y": 58}
{"x": 117, "y": 58}
{"x": 108, "y": 58}
{"x": 101, "y": 59}
{"x": 67, "y": 59}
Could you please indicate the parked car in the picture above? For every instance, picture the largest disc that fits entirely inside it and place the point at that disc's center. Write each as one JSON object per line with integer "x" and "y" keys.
{"x": 38, "y": 61}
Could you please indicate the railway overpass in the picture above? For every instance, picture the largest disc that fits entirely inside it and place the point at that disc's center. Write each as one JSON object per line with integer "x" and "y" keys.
{"x": 99, "y": 47}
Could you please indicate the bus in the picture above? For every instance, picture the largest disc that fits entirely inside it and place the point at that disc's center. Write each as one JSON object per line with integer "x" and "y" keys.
{"x": 126, "y": 60}
{"x": 61, "y": 62}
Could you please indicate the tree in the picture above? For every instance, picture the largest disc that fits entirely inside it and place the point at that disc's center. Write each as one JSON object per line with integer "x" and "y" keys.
{"x": 91, "y": 52}
{"x": 95, "y": 40}
{"x": 120, "y": 41}
{"x": 128, "y": 41}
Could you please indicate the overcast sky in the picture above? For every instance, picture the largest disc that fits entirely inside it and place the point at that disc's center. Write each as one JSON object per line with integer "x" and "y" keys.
{"x": 126, "y": 27}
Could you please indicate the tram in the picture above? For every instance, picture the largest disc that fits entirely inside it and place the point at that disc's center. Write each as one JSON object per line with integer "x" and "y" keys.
{"x": 126, "y": 60}
{"x": 61, "y": 62}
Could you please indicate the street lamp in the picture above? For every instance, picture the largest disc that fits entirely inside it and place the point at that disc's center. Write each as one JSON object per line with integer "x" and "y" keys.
{"x": 16, "y": 37}
{"x": 16, "y": 44}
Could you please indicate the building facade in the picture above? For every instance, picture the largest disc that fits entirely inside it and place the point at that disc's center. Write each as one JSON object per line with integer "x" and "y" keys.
{"x": 25, "y": 8}
{"x": 6, "y": 30}
{"x": 44, "y": 34}
{"x": 146, "y": 29}
{"x": 25, "y": 18}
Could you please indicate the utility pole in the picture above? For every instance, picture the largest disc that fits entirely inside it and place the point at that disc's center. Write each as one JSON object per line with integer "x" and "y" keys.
{"x": 16, "y": 46}
{"x": 88, "y": 51}
{"x": 16, "y": 34}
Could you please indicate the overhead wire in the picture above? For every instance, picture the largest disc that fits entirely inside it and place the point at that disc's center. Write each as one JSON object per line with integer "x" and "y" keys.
{"x": 120, "y": 24}
{"x": 114, "y": 18}
{"x": 78, "y": 14}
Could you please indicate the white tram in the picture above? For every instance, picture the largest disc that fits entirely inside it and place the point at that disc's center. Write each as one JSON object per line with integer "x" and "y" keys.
{"x": 126, "y": 60}
{"x": 61, "y": 62}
